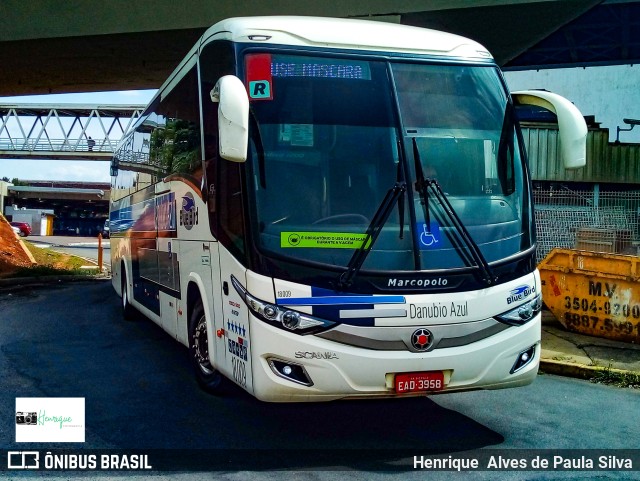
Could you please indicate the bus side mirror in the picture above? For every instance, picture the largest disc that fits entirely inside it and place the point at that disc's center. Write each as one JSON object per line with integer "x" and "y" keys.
{"x": 571, "y": 125}
{"x": 233, "y": 117}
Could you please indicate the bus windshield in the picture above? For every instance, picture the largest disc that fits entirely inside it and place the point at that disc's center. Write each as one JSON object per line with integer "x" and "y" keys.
{"x": 331, "y": 137}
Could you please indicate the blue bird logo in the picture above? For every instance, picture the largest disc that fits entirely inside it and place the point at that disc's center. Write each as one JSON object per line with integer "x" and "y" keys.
{"x": 520, "y": 290}
{"x": 188, "y": 204}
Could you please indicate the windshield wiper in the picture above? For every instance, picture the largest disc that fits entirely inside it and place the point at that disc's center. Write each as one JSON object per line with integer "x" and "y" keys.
{"x": 506, "y": 150}
{"x": 424, "y": 186}
{"x": 373, "y": 231}
{"x": 400, "y": 179}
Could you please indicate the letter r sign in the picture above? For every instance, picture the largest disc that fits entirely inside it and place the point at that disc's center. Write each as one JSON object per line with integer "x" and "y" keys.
{"x": 258, "y": 66}
{"x": 260, "y": 89}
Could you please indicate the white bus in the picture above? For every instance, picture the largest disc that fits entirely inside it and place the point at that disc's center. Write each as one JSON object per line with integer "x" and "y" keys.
{"x": 331, "y": 208}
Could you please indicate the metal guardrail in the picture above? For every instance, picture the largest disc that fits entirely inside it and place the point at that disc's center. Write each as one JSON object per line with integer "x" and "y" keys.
{"x": 57, "y": 145}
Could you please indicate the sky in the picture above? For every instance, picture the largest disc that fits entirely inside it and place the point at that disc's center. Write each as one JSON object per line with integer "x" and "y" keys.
{"x": 87, "y": 171}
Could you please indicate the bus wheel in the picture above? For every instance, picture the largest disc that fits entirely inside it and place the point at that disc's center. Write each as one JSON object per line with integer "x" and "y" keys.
{"x": 128, "y": 311}
{"x": 208, "y": 378}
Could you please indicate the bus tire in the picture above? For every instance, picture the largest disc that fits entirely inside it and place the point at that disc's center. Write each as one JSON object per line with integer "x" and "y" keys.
{"x": 128, "y": 311}
{"x": 209, "y": 379}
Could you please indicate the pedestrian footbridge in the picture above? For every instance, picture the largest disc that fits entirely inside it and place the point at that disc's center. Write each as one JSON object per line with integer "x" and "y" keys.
{"x": 63, "y": 132}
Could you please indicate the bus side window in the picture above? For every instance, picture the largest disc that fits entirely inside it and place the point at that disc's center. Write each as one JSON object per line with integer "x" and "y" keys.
{"x": 230, "y": 207}
{"x": 175, "y": 138}
{"x": 216, "y": 60}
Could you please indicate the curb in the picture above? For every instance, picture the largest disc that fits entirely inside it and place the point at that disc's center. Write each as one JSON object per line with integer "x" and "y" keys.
{"x": 27, "y": 251}
{"x": 580, "y": 371}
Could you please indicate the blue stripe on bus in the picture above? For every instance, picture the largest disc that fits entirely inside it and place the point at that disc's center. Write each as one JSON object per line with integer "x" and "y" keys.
{"x": 333, "y": 300}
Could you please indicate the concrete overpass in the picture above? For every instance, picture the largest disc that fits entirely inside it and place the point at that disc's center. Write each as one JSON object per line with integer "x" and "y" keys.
{"x": 60, "y": 46}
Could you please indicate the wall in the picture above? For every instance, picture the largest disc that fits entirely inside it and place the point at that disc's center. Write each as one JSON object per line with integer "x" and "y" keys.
{"x": 606, "y": 162}
{"x": 4, "y": 186}
{"x": 31, "y": 216}
{"x": 610, "y": 93}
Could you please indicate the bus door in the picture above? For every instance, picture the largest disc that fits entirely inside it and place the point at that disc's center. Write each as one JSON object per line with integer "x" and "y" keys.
{"x": 236, "y": 322}
{"x": 209, "y": 256}
{"x": 232, "y": 250}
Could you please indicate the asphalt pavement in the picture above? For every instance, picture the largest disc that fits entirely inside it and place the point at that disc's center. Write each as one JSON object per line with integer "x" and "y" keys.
{"x": 140, "y": 395}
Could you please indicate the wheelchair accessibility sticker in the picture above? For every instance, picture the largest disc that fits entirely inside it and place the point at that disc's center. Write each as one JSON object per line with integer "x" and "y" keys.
{"x": 429, "y": 237}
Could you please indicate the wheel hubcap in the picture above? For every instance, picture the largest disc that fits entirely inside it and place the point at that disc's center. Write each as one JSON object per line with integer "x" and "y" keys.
{"x": 200, "y": 346}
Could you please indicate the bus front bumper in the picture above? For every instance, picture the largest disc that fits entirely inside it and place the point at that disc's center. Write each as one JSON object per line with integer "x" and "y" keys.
{"x": 324, "y": 370}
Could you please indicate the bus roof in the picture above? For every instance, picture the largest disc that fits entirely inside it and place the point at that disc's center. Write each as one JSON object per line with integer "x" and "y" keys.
{"x": 336, "y": 33}
{"x": 341, "y": 33}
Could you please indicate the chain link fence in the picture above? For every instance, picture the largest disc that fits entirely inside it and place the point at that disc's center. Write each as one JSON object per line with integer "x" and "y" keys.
{"x": 593, "y": 219}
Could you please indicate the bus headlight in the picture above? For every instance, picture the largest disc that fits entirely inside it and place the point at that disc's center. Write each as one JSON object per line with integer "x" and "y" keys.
{"x": 523, "y": 313}
{"x": 289, "y": 319}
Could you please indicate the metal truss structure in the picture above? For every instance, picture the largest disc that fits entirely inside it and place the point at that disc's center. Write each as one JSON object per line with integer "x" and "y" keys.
{"x": 64, "y": 131}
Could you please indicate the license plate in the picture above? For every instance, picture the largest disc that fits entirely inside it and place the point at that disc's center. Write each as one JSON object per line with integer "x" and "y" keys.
{"x": 419, "y": 381}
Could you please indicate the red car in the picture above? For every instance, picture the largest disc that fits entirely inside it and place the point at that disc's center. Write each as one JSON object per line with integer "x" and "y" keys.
{"x": 25, "y": 228}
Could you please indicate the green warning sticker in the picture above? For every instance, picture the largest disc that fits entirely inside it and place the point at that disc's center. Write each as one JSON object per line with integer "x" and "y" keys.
{"x": 322, "y": 240}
